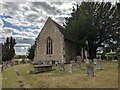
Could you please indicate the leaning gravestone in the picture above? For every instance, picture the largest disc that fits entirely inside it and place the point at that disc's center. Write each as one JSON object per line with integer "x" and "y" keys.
{"x": 70, "y": 68}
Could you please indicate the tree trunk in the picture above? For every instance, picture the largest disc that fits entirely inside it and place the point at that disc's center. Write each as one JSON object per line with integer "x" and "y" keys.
{"x": 82, "y": 53}
{"x": 92, "y": 51}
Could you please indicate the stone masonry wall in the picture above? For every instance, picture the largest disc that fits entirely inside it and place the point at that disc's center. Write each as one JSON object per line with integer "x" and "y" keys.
{"x": 52, "y": 31}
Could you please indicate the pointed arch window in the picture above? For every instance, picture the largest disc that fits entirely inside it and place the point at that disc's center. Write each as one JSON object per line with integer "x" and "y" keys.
{"x": 49, "y": 46}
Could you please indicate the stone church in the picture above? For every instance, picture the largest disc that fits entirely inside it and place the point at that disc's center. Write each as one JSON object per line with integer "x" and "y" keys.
{"x": 52, "y": 44}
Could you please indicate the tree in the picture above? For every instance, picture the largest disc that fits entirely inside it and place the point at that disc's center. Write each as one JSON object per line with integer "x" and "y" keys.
{"x": 94, "y": 22}
{"x": 31, "y": 51}
{"x": 8, "y": 51}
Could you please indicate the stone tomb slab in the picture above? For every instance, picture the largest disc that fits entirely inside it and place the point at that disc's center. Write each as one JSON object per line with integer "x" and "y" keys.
{"x": 41, "y": 68}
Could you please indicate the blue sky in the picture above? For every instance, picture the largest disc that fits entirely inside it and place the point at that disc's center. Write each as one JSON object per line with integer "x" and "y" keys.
{"x": 24, "y": 19}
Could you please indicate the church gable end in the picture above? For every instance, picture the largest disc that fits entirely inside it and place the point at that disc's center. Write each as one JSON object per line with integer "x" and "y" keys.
{"x": 50, "y": 42}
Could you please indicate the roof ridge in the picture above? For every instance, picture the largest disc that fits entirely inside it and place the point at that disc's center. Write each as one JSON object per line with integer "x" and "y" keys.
{"x": 62, "y": 30}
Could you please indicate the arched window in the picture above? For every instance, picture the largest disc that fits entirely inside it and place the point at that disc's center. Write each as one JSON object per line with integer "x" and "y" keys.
{"x": 49, "y": 46}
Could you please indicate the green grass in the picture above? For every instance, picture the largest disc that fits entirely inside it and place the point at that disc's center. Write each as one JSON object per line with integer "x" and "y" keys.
{"x": 106, "y": 78}
{"x": 0, "y": 82}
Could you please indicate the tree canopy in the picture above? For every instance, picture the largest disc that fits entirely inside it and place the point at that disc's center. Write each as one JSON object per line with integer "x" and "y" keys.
{"x": 31, "y": 51}
{"x": 8, "y": 50}
{"x": 96, "y": 23}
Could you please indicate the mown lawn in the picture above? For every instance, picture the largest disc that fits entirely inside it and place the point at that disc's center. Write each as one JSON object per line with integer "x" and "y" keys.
{"x": 0, "y": 79}
{"x": 106, "y": 78}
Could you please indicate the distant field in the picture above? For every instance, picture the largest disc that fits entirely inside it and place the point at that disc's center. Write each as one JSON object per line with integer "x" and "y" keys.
{"x": 107, "y": 78}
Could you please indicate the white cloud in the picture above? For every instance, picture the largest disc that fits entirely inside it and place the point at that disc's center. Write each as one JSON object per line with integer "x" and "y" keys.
{"x": 33, "y": 12}
{"x": 1, "y": 24}
{"x": 21, "y": 50}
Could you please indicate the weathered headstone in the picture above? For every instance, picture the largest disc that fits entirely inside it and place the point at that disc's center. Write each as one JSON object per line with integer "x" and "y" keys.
{"x": 90, "y": 71}
{"x": 70, "y": 69}
{"x": 44, "y": 62}
{"x": 73, "y": 63}
{"x": 95, "y": 61}
{"x": 99, "y": 65}
{"x": 60, "y": 66}
{"x": 78, "y": 63}
{"x": 39, "y": 62}
{"x": 56, "y": 63}
{"x": 79, "y": 58}
{"x": 87, "y": 61}
{"x": 89, "y": 67}
{"x": 50, "y": 62}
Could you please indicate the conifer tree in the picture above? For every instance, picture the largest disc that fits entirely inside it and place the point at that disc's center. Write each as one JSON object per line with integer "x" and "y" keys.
{"x": 8, "y": 51}
{"x": 96, "y": 23}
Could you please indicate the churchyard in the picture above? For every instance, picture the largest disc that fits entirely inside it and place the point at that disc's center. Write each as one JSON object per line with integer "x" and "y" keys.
{"x": 18, "y": 76}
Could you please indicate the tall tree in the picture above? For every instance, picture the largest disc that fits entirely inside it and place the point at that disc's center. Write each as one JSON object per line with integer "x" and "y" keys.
{"x": 94, "y": 22}
{"x": 8, "y": 51}
{"x": 31, "y": 51}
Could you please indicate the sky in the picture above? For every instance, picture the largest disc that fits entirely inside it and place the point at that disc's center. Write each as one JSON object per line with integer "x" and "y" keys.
{"x": 24, "y": 19}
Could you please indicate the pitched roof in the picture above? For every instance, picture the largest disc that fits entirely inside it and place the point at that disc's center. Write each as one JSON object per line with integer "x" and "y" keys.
{"x": 62, "y": 30}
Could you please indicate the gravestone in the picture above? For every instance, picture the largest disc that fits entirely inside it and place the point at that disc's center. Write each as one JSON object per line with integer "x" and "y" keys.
{"x": 99, "y": 65}
{"x": 50, "y": 62}
{"x": 60, "y": 66}
{"x": 87, "y": 61}
{"x": 44, "y": 62}
{"x": 73, "y": 63}
{"x": 90, "y": 71}
{"x": 56, "y": 63}
{"x": 70, "y": 69}
{"x": 79, "y": 58}
{"x": 95, "y": 60}
{"x": 78, "y": 63}
{"x": 39, "y": 62}
{"x": 89, "y": 67}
